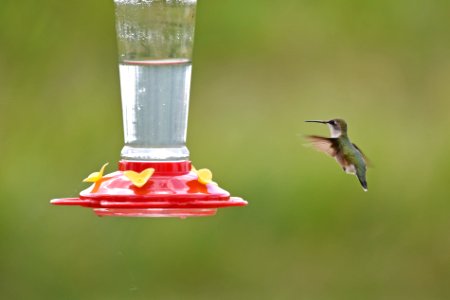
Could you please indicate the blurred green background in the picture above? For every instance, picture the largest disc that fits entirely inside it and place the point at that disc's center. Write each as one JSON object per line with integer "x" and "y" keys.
{"x": 260, "y": 68}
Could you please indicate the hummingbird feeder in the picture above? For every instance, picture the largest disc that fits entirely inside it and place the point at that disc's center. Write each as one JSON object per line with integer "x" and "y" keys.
{"x": 155, "y": 177}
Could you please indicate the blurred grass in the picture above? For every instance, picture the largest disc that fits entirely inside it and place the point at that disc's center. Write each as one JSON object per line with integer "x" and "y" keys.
{"x": 260, "y": 69}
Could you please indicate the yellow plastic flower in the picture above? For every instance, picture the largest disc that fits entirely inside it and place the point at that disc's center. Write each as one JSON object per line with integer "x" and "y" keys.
{"x": 96, "y": 176}
{"x": 139, "y": 179}
{"x": 204, "y": 176}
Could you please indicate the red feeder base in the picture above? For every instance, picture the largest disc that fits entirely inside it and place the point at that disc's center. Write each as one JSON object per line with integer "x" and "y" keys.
{"x": 172, "y": 191}
{"x": 156, "y": 212}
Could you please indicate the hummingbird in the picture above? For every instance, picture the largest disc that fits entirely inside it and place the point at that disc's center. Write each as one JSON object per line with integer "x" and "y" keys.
{"x": 348, "y": 155}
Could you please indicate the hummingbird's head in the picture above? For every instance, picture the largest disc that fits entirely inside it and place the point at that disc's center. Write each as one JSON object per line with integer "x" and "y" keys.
{"x": 337, "y": 126}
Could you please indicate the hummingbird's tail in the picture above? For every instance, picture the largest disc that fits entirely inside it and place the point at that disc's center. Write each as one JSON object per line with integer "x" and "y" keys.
{"x": 362, "y": 180}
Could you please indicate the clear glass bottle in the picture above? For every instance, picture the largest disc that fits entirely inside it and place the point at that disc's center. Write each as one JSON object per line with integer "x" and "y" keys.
{"x": 155, "y": 41}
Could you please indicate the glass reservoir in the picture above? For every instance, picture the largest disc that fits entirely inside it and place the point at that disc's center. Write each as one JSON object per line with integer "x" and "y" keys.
{"x": 155, "y": 41}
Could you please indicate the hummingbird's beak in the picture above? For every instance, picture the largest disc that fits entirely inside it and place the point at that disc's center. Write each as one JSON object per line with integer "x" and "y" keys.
{"x": 317, "y": 121}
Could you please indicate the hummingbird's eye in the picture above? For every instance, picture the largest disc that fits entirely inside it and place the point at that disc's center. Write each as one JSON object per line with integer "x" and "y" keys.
{"x": 333, "y": 122}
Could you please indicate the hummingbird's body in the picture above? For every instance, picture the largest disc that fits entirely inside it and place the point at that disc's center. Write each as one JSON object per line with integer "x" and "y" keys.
{"x": 339, "y": 146}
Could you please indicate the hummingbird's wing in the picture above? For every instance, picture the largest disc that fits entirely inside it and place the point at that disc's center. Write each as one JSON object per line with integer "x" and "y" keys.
{"x": 329, "y": 146}
{"x": 367, "y": 161}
